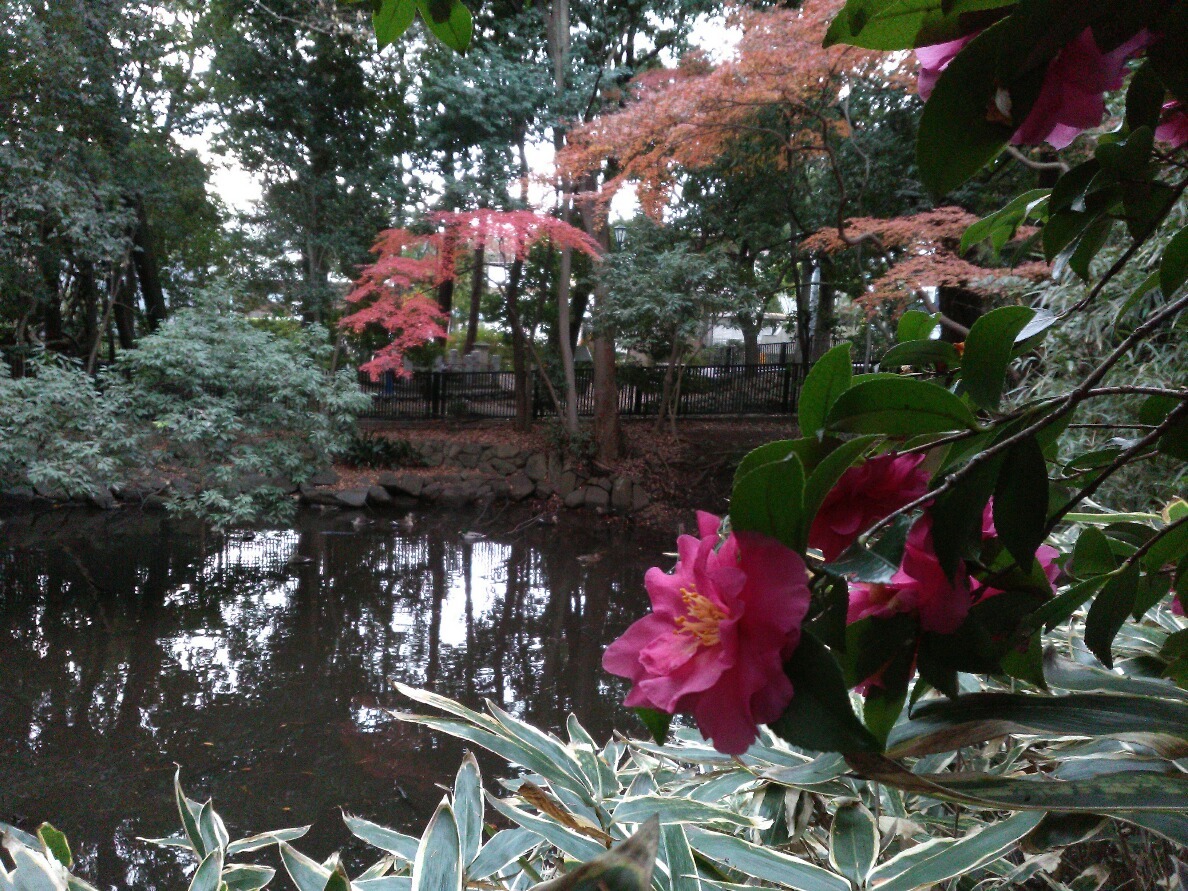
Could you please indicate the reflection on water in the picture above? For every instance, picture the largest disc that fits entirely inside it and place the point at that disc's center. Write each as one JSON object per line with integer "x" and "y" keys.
{"x": 262, "y": 662}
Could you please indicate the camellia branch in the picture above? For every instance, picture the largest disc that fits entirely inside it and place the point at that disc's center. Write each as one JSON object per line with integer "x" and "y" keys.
{"x": 1145, "y": 548}
{"x": 1071, "y": 401}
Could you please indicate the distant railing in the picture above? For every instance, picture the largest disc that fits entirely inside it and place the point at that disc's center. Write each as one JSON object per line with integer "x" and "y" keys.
{"x": 772, "y": 388}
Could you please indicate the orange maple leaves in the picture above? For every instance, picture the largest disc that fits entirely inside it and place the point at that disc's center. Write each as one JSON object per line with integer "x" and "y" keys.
{"x": 686, "y": 117}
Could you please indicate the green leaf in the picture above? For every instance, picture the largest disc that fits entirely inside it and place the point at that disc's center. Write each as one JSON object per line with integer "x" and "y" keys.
{"x": 947, "y": 725}
{"x": 905, "y": 24}
{"x": 244, "y": 877}
{"x": 209, "y": 874}
{"x": 899, "y": 406}
{"x": 1001, "y": 226}
{"x": 627, "y": 867}
{"x": 957, "y": 515}
{"x": 1144, "y": 98}
{"x": 674, "y": 809}
{"x": 1021, "y": 500}
{"x": 829, "y": 377}
{"x": 853, "y": 841}
{"x": 449, "y": 20}
{"x": 189, "y": 811}
{"x": 1112, "y": 605}
{"x": 264, "y": 839}
{"x": 403, "y": 846}
{"x": 957, "y": 134}
{"x": 307, "y": 874}
{"x": 392, "y": 19}
{"x": 989, "y": 349}
{"x": 56, "y": 844}
{"x": 656, "y": 722}
{"x": 770, "y": 500}
{"x": 820, "y": 716}
{"x": 678, "y": 857}
{"x": 921, "y": 354}
{"x": 1092, "y": 240}
{"x": 468, "y": 807}
{"x": 438, "y": 864}
{"x": 915, "y": 325}
{"x": 577, "y": 846}
{"x": 210, "y": 825}
{"x": 504, "y": 848}
{"x": 934, "y": 863}
{"x": 1173, "y": 268}
{"x": 764, "y": 863}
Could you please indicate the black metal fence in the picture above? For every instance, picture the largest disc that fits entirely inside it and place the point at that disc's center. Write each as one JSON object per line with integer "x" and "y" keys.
{"x": 771, "y": 388}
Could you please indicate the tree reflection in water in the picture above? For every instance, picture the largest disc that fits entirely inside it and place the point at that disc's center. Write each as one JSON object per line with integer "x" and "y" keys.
{"x": 262, "y": 663}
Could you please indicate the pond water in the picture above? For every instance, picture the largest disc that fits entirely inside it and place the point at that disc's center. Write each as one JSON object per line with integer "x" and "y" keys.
{"x": 263, "y": 662}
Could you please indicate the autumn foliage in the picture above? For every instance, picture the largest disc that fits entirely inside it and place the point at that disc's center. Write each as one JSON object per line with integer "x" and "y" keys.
{"x": 394, "y": 292}
{"x": 686, "y": 117}
{"x": 923, "y": 253}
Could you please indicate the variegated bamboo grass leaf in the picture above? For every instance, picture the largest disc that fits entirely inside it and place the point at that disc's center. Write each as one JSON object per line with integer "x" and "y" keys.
{"x": 438, "y": 864}
{"x": 570, "y": 842}
{"x": 403, "y": 846}
{"x": 764, "y": 863}
{"x": 503, "y": 849}
{"x": 853, "y": 842}
{"x": 264, "y": 839}
{"x": 679, "y": 866}
{"x": 307, "y": 874}
{"x": 209, "y": 874}
{"x": 627, "y": 867}
{"x": 247, "y": 877}
{"x": 468, "y": 807}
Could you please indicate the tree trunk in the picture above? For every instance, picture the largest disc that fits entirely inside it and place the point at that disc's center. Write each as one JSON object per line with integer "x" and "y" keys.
{"x": 523, "y": 390}
{"x": 88, "y": 305}
{"x": 606, "y": 399}
{"x": 959, "y": 305}
{"x": 566, "y": 347}
{"x": 52, "y": 302}
{"x": 666, "y": 393}
{"x": 122, "y": 307}
{"x": 824, "y": 315}
{"x": 578, "y": 305}
{"x": 148, "y": 269}
{"x": 477, "y": 278}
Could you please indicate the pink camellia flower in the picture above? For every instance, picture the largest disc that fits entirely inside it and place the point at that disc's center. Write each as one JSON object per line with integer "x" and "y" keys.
{"x": 863, "y": 496}
{"x": 1071, "y": 98}
{"x": 919, "y": 586}
{"x": 935, "y": 59}
{"x": 1173, "y": 126}
{"x": 721, "y": 625}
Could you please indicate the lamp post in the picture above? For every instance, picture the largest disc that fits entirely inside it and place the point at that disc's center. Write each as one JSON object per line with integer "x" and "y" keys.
{"x": 619, "y": 231}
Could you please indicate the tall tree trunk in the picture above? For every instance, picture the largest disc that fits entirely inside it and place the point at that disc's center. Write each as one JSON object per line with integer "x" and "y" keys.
{"x": 51, "y": 310}
{"x": 523, "y": 390}
{"x": 122, "y": 307}
{"x": 824, "y": 315}
{"x": 148, "y": 269}
{"x": 578, "y": 305}
{"x": 87, "y": 300}
{"x": 563, "y": 326}
{"x": 477, "y": 278}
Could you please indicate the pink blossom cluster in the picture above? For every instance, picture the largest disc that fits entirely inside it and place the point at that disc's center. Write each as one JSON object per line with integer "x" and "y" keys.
{"x": 1072, "y": 96}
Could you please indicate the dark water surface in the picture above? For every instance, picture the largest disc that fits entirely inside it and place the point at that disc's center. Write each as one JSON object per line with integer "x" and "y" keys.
{"x": 262, "y": 663}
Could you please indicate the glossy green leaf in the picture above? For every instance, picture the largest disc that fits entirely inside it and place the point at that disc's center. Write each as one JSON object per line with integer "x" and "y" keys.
{"x": 1021, "y": 500}
{"x": 957, "y": 515}
{"x": 1144, "y": 98}
{"x": 438, "y": 863}
{"x": 989, "y": 349}
{"x": 853, "y": 841}
{"x": 829, "y": 377}
{"x": 921, "y": 354}
{"x": 899, "y": 406}
{"x": 449, "y": 21}
{"x": 1110, "y": 609}
{"x": 656, "y": 722}
{"x": 904, "y": 24}
{"x": 820, "y": 716}
{"x": 770, "y": 500}
{"x": 392, "y": 19}
{"x": 915, "y": 325}
{"x": 56, "y": 844}
{"x": 1173, "y": 268}
{"x": 1000, "y": 227}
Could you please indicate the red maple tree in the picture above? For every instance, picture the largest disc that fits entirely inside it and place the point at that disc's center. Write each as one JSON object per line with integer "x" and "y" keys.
{"x": 395, "y": 292}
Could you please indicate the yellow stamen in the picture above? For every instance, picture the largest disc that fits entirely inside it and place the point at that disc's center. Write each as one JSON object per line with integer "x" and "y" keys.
{"x": 703, "y": 619}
